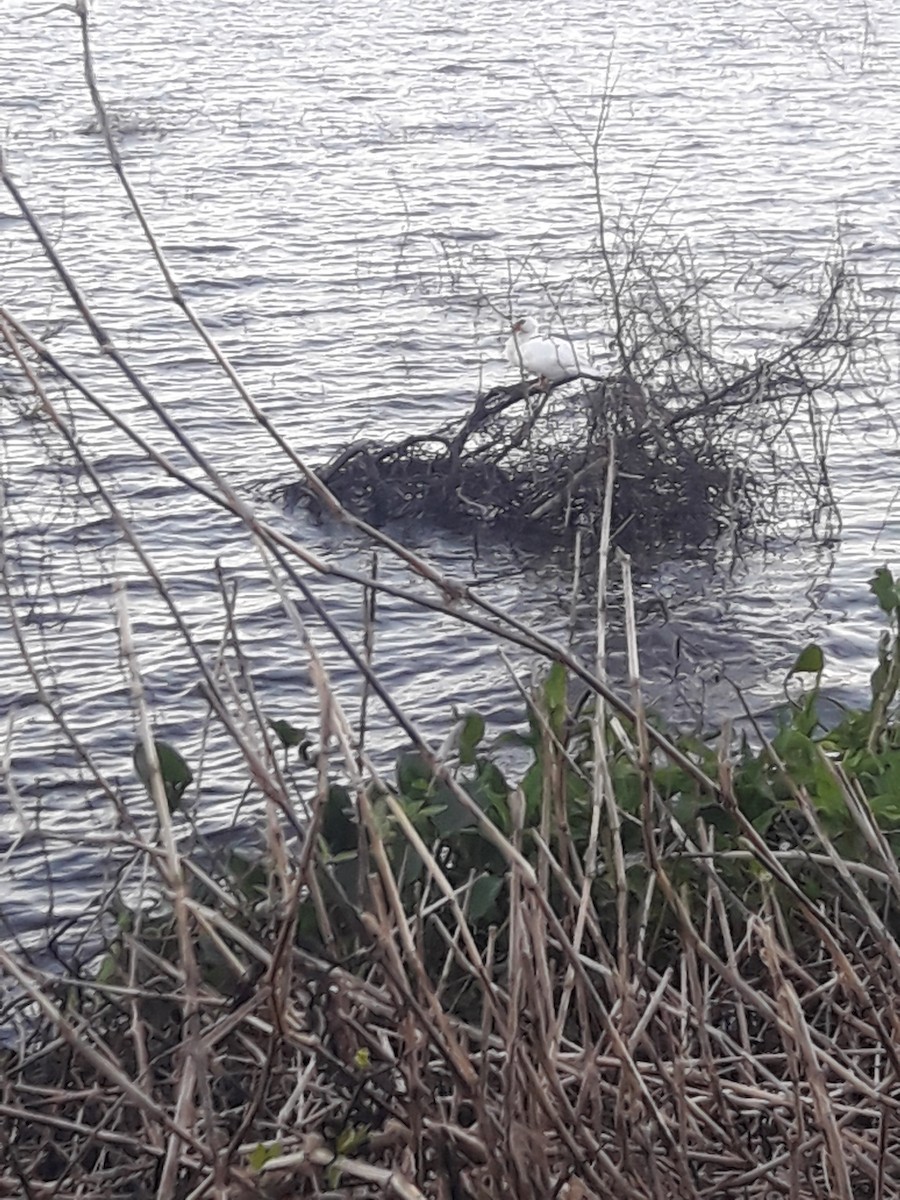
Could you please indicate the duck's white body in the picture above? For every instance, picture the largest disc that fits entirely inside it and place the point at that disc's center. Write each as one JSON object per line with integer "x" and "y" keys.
{"x": 552, "y": 359}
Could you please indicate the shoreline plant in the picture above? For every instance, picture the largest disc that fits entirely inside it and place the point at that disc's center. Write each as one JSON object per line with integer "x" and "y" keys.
{"x": 595, "y": 972}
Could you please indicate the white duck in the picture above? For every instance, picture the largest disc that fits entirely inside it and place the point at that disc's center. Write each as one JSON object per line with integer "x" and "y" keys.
{"x": 552, "y": 359}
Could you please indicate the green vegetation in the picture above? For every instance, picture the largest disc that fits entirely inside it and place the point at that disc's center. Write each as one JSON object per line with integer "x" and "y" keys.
{"x": 810, "y": 793}
{"x": 584, "y": 930}
{"x": 174, "y": 772}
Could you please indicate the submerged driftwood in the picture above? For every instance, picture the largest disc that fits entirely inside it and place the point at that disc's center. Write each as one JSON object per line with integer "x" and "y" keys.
{"x": 535, "y": 462}
{"x": 699, "y": 442}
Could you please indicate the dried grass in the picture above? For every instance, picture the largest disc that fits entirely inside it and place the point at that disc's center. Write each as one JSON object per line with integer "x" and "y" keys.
{"x": 723, "y": 1053}
{"x": 628, "y": 1029}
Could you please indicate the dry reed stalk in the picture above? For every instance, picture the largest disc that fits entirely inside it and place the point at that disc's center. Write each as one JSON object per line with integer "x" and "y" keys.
{"x": 194, "y": 1064}
{"x": 601, "y": 785}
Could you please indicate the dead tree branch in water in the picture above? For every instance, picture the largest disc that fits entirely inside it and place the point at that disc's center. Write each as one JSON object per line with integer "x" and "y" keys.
{"x": 702, "y": 441}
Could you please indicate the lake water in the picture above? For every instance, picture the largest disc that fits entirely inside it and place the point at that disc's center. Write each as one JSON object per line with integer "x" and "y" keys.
{"x": 344, "y": 191}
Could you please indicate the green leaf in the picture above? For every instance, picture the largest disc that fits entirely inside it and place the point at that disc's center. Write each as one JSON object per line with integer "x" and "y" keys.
{"x": 263, "y": 1153}
{"x": 555, "y": 689}
{"x": 349, "y": 1141}
{"x": 289, "y": 735}
{"x": 470, "y": 735}
{"x": 885, "y": 590}
{"x": 762, "y": 822}
{"x": 108, "y": 969}
{"x": 797, "y": 751}
{"x": 414, "y": 775}
{"x": 827, "y": 795}
{"x": 532, "y": 788}
{"x": 810, "y": 661}
{"x": 805, "y": 717}
{"x": 351, "y": 1138}
{"x": 886, "y": 809}
{"x": 685, "y": 808}
{"x": 453, "y": 816}
{"x": 176, "y": 774}
{"x": 247, "y": 876}
{"x": 339, "y": 831}
{"x": 489, "y": 788}
{"x": 879, "y": 677}
{"x": 483, "y": 896}
{"x": 671, "y": 782}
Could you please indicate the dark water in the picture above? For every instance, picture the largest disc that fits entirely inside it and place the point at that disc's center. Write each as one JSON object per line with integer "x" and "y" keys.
{"x": 341, "y": 190}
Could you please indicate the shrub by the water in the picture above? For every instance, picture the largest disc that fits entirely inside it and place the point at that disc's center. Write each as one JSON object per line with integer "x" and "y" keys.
{"x": 689, "y": 436}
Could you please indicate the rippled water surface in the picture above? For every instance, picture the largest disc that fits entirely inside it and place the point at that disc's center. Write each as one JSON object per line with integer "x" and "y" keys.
{"x": 337, "y": 187}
